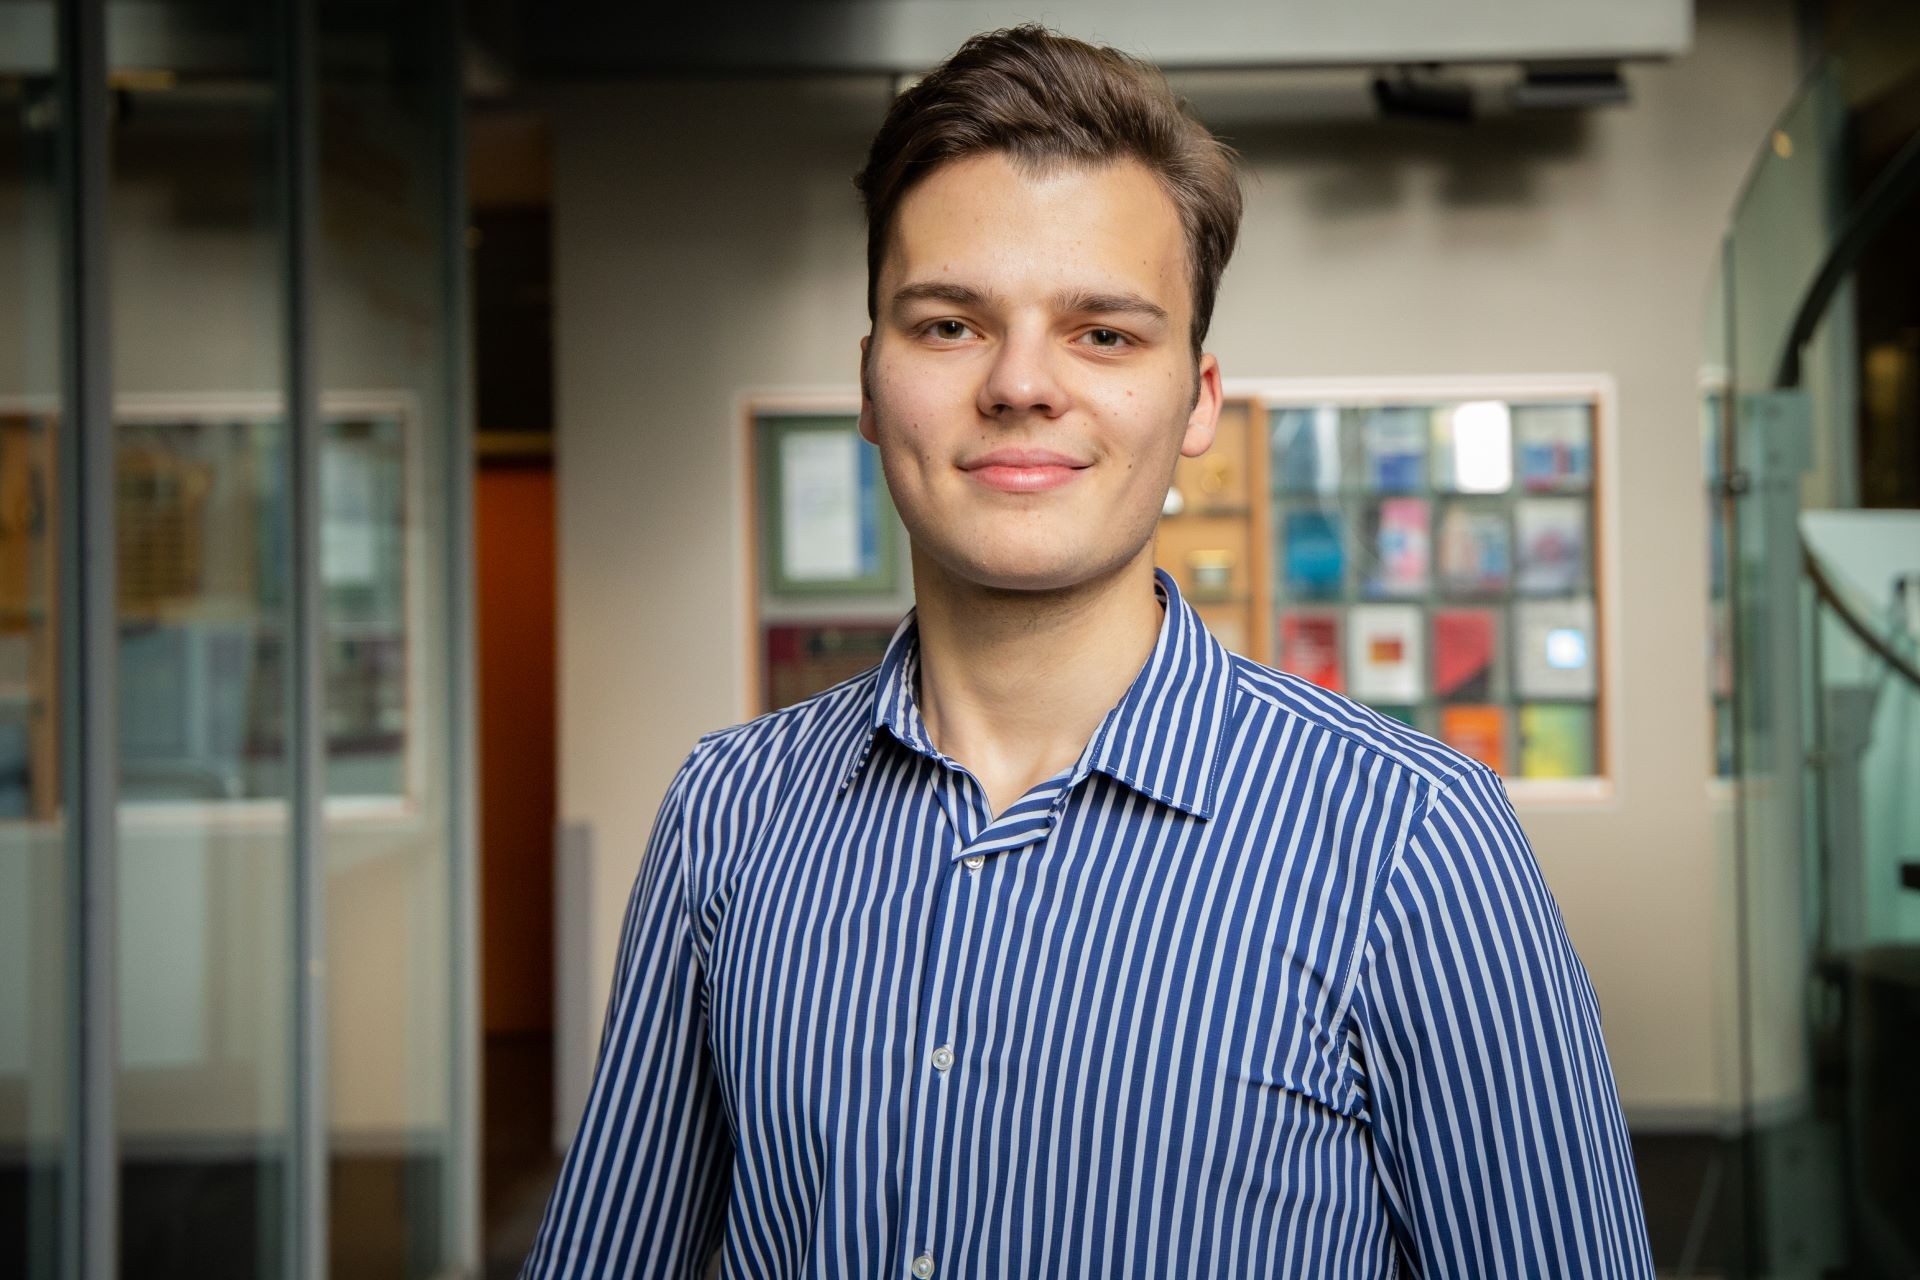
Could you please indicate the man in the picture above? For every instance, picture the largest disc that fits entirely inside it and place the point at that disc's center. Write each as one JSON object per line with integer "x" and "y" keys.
{"x": 1065, "y": 942}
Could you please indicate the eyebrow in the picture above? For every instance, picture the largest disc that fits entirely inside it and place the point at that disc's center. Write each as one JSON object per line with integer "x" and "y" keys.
{"x": 1111, "y": 304}
{"x": 960, "y": 295}
{"x": 1082, "y": 301}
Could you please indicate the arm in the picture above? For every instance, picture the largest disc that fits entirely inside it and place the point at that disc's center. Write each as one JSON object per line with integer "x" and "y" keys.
{"x": 644, "y": 1183}
{"x": 1497, "y": 1129}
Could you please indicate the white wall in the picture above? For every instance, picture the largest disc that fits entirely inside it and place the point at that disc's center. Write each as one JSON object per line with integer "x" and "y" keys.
{"x": 708, "y": 241}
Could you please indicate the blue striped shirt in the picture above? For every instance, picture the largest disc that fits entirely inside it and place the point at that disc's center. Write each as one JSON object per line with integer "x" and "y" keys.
{"x": 1266, "y": 984}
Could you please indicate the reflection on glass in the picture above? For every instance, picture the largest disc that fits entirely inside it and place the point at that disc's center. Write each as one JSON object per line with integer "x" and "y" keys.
{"x": 39, "y": 862}
{"x": 205, "y": 975}
{"x": 203, "y": 610}
{"x": 387, "y": 139}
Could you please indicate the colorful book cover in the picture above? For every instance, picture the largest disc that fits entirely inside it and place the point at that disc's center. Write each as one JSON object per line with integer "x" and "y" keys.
{"x": 1385, "y": 660}
{"x": 1466, "y": 650}
{"x": 1478, "y": 730}
{"x": 1555, "y": 444}
{"x": 1556, "y": 741}
{"x": 1395, "y": 443}
{"x": 1316, "y": 555}
{"x": 1476, "y": 551}
{"x": 1310, "y": 647}
{"x": 1397, "y": 532}
{"x": 1552, "y": 534}
{"x": 1306, "y": 449}
{"x": 1556, "y": 657}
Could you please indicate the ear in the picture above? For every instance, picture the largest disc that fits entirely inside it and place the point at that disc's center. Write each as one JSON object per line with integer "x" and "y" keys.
{"x": 1205, "y": 414}
{"x": 868, "y": 431}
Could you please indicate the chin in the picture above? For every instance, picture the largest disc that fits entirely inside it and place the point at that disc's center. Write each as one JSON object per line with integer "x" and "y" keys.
{"x": 1052, "y": 568}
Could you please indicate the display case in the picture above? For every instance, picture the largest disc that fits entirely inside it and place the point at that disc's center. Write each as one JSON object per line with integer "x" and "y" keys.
{"x": 1435, "y": 554}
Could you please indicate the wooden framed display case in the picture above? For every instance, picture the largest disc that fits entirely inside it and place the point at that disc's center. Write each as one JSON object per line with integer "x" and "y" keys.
{"x": 1440, "y": 553}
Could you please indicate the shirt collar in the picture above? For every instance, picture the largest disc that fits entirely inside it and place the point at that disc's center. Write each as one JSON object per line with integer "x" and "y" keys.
{"x": 1165, "y": 738}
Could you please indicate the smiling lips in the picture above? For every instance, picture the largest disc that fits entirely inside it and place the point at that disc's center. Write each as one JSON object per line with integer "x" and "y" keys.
{"x": 1024, "y": 470}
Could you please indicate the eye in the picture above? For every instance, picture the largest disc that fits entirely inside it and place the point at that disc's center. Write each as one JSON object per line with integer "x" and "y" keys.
{"x": 949, "y": 330}
{"x": 1110, "y": 339}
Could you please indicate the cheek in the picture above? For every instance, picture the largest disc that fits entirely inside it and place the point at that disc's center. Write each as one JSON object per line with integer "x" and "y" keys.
{"x": 1146, "y": 423}
{"x": 905, "y": 411}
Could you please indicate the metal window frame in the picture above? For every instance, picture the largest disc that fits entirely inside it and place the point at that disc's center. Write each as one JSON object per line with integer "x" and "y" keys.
{"x": 88, "y": 645}
{"x": 463, "y": 1220}
{"x": 305, "y": 1241}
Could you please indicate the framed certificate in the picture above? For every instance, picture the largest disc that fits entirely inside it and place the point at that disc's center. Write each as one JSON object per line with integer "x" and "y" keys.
{"x": 826, "y": 522}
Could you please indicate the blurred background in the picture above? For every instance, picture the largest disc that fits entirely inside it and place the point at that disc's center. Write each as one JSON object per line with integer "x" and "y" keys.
{"x": 418, "y": 423}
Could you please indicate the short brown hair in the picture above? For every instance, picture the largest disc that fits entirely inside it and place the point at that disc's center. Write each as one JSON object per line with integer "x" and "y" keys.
{"x": 1047, "y": 100}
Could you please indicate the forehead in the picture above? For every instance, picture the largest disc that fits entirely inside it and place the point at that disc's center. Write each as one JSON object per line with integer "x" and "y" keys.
{"x": 991, "y": 220}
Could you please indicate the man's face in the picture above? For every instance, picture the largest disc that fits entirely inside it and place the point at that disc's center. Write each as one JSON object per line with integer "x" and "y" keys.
{"x": 1047, "y": 318}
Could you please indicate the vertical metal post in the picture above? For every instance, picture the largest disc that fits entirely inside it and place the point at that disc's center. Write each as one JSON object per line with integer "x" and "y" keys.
{"x": 463, "y": 887}
{"x": 307, "y": 1197}
{"x": 1748, "y": 1234}
{"x": 89, "y": 649}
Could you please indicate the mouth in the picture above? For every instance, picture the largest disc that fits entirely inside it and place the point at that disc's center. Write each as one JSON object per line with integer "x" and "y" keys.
{"x": 1025, "y": 471}
{"x": 1010, "y": 479}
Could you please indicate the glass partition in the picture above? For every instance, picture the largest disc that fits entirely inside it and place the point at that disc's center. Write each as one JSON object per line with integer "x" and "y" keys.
{"x": 39, "y": 859}
{"x": 1813, "y": 676}
{"x": 393, "y": 482}
{"x": 206, "y": 1045}
{"x": 277, "y": 969}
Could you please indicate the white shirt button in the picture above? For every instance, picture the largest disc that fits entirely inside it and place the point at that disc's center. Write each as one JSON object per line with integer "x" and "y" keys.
{"x": 923, "y": 1266}
{"x": 975, "y": 862}
{"x": 943, "y": 1057}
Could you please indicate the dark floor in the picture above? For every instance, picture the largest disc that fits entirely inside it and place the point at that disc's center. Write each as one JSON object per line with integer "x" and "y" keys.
{"x": 520, "y": 1164}
{"x": 1689, "y": 1187}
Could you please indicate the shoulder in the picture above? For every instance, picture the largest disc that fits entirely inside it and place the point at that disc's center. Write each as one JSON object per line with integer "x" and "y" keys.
{"x": 1378, "y": 746}
{"x": 821, "y": 732}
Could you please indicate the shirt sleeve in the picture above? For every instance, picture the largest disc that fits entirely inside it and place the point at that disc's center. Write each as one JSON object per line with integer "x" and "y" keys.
{"x": 1497, "y": 1128}
{"x": 643, "y": 1186}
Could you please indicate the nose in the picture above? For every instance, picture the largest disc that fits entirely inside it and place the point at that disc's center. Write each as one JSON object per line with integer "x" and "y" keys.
{"x": 1024, "y": 378}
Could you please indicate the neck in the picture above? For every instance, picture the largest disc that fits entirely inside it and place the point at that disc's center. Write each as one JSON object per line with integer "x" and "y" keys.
{"x": 1013, "y": 683}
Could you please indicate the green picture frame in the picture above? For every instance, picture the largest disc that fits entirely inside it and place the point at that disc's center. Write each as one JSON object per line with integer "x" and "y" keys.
{"x": 826, "y": 524}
